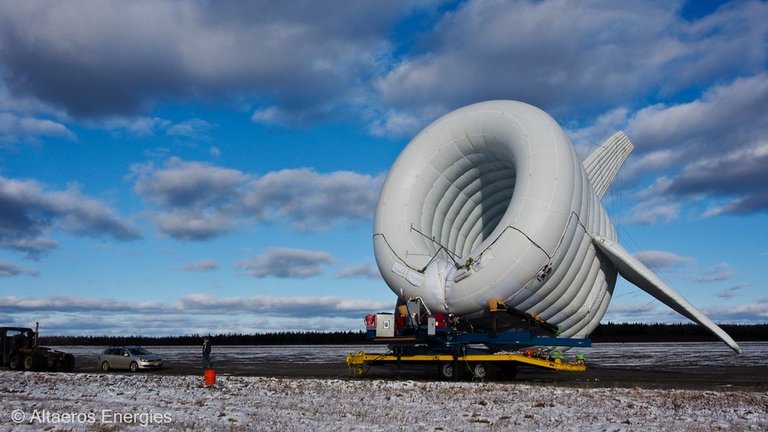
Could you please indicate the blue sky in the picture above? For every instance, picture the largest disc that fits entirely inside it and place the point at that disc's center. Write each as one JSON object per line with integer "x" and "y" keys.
{"x": 205, "y": 167}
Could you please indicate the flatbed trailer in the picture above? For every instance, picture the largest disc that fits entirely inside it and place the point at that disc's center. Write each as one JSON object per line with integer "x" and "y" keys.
{"x": 416, "y": 337}
{"x": 480, "y": 366}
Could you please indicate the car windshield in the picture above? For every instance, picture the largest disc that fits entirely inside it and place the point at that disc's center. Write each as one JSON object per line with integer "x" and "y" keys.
{"x": 139, "y": 351}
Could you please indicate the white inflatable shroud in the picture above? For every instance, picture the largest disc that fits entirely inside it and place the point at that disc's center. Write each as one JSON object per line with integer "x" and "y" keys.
{"x": 491, "y": 202}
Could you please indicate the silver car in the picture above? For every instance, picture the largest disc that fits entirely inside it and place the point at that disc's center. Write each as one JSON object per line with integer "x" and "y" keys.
{"x": 128, "y": 357}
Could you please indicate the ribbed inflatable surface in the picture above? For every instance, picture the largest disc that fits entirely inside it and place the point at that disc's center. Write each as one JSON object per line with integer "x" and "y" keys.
{"x": 491, "y": 202}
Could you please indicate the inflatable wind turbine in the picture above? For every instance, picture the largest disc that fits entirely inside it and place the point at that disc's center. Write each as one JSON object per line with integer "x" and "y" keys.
{"x": 491, "y": 204}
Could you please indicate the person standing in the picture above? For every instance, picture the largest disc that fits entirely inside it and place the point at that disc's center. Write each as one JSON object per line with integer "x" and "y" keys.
{"x": 206, "y": 353}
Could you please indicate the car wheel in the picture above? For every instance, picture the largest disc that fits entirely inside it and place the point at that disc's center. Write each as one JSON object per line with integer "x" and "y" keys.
{"x": 105, "y": 366}
{"x": 134, "y": 366}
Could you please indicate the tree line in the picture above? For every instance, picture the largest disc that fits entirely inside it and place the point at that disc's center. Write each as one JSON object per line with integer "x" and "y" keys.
{"x": 273, "y": 338}
{"x": 688, "y": 332}
{"x": 609, "y": 332}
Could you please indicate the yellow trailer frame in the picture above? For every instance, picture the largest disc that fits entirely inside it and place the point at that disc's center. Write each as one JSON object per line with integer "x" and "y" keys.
{"x": 357, "y": 361}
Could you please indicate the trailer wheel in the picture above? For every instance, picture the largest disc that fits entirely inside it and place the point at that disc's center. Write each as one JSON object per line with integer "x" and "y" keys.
{"x": 481, "y": 371}
{"x": 509, "y": 371}
{"x": 31, "y": 362}
{"x": 445, "y": 371}
{"x": 67, "y": 363}
{"x": 15, "y": 361}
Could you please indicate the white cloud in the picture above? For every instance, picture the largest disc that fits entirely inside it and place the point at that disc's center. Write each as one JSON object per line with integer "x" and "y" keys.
{"x": 270, "y": 115}
{"x": 193, "y": 313}
{"x": 719, "y": 272}
{"x": 132, "y": 125}
{"x": 397, "y": 123}
{"x": 9, "y": 270}
{"x": 33, "y": 247}
{"x": 299, "y": 306}
{"x": 710, "y": 151}
{"x": 311, "y": 201}
{"x": 203, "y": 265}
{"x": 731, "y": 292}
{"x": 743, "y": 313}
{"x": 28, "y": 212}
{"x": 663, "y": 260}
{"x": 197, "y": 201}
{"x": 193, "y": 224}
{"x": 703, "y": 123}
{"x": 722, "y": 141}
{"x": 182, "y": 184}
{"x": 654, "y": 161}
{"x": 193, "y": 128}
{"x": 15, "y": 127}
{"x": 653, "y": 210}
{"x": 195, "y": 198}
{"x": 365, "y": 270}
{"x": 573, "y": 57}
{"x": 648, "y": 311}
{"x": 141, "y": 127}
{"x": 297, "y": 54}
{"x": 287, "y": 263}
{"x": 733, "y": 171}
{"x": 11, "y": 304}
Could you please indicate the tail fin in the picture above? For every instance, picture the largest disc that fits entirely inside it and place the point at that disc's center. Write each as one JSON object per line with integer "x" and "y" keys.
{"x": 635, "y": 272}
{"x": 604, "y": 162}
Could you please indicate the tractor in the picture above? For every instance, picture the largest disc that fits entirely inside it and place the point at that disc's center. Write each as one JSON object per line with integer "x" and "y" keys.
{"x": 19, "y": 350}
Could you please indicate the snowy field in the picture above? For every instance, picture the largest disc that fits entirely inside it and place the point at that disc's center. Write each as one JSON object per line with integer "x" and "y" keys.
{"x": 117, "y": 402}
{"x": 95, "y": 401}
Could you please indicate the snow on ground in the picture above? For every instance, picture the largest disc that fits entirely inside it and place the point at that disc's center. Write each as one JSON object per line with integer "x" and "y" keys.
{"x": 121, "y": 401}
